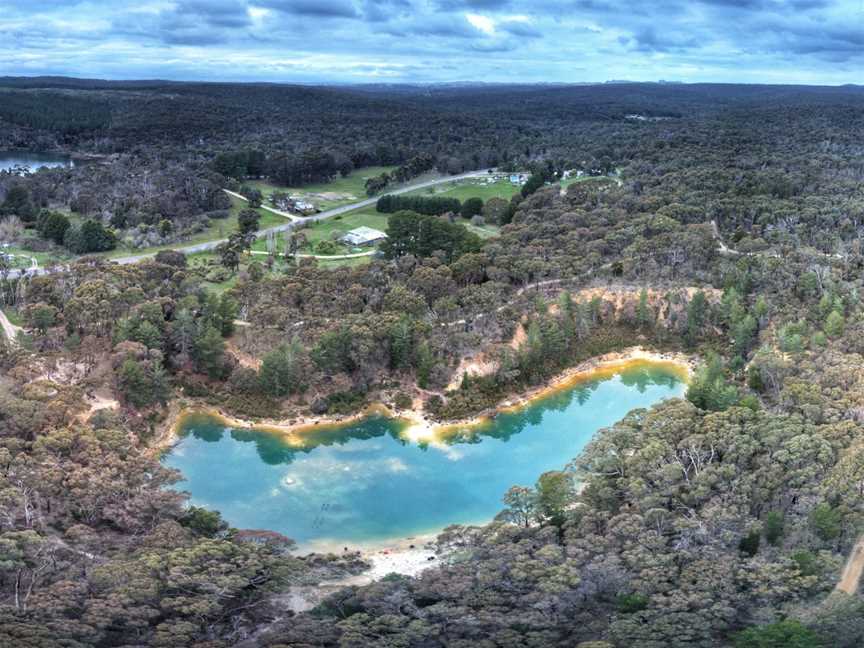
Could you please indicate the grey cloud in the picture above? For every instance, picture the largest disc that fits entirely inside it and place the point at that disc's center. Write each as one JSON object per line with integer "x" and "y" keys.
{"x": 716, "y": 39}
{"x": 189, "y": 22}
{"x": 521, "y": 29}
{"x": 218, "y": 13}
{"x": 313, "y": 8}
{"x": 489, "y": 5}
{"x": 440, "y": 26}
{"x": 384, "y": 10}
{"x": 830, "y": 43}
{"x": 648, "y": 39}
{"x": 494, "y": 46}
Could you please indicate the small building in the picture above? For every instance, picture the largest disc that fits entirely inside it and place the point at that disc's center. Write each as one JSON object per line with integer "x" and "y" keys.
{"x": 518, "y": 179}
{"x": 363, "y": 236}
{"x": 284, "y": 202}
{"x": 304, "y": 207}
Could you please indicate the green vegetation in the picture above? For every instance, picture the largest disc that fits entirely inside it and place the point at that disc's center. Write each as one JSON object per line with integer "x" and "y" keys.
{"x": 783, "y": 634}
{"x": 421, "y": 235}
{"x": 462, "y": 190}
{"x": 326, "y": 195}
{"x": 330, "y": 229}
{"x": 722, "y": 519}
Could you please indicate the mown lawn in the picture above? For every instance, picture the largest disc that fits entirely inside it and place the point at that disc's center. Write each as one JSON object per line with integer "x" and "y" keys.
{"x": 42, "y": 258}
{"x": 326, "y": 230}
{"x": 471, "y": 188}
{"x": 352, "y": 188}
{"x": 574, "y": 180}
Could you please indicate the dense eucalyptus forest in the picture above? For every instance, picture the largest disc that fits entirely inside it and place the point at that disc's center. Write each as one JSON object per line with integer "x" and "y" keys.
{"x": 730, "y": 231}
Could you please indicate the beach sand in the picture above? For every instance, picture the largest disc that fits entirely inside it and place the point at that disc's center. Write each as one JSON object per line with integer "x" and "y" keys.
{"x": 413, "y": 555}
{"x": 420, "y": 427}
{"x": 407, "y": 556}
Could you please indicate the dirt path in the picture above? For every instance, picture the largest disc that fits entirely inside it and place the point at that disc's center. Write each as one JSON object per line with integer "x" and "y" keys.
{"x": 272, "y": 210}
{"x": 850, "y": 578}
{"x": 323, "y": 257}
{"x": 9, "y": 329}
{"x": 101, "y": 399}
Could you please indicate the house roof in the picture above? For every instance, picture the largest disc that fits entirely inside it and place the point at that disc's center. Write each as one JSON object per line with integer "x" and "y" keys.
{"x": 364, "y": 234}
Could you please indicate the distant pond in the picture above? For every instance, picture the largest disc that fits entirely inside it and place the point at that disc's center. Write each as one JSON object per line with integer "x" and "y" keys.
{"x": 369, "y": 482}
{"x": 10, "y": 160}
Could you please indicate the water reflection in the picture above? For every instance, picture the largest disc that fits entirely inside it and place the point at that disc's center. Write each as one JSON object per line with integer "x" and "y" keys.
{"x": 367, "y": 481}
{"x": 29, "y": 161}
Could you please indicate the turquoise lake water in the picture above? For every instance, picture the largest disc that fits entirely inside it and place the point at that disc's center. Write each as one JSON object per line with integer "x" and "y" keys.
{"x": 33, "y": 161}
{"x": 364, "y": 483}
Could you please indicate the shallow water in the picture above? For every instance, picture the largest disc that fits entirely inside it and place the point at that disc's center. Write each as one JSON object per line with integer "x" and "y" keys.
{"x": 366, "y": 483}
{"x": 32, "y": 161}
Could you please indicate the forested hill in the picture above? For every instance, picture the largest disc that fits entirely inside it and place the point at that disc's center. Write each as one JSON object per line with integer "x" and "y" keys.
{"x": 729, "y": 227}
{"x": 498, "y": 122}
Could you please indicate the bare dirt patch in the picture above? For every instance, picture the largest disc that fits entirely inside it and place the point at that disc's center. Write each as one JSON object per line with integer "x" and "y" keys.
{"x": 333, "y": 195}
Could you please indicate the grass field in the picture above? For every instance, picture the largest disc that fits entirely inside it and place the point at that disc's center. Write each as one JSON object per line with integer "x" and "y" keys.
{"x": 574, "y": 180}
{"x": 477, "y": 187}
{"x": 474, "y": 187}
{"x": 324, "y": 231}
{"x": 13, "y": 316}
{"x": 485, "y": 232}
{"x": 208, "y": 262}
{"x": 42, "y": 258}
{"x": 218, "y": 229}
{"x": 326, "y": 195}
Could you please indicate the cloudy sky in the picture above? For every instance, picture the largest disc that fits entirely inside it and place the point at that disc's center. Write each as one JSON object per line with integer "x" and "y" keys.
{"x": 772, "y": 41}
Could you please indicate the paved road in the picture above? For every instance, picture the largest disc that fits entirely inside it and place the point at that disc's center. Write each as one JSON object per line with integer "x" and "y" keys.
{"x": 212, "y": 245}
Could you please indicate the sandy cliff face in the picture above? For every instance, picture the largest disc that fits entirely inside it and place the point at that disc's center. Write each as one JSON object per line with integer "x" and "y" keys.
{"x": 617, "y": 304}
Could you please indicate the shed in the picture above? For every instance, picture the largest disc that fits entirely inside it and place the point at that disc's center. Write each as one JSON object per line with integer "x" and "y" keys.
{"x": 363, "y": 236}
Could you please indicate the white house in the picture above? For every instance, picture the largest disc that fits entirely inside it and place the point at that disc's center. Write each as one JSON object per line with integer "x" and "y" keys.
{"x": 363, "y": 236}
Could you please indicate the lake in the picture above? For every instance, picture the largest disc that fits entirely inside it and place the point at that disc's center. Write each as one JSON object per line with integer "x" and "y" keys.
{"x": 372, "y": 481}
{"x": 15, "y": 159}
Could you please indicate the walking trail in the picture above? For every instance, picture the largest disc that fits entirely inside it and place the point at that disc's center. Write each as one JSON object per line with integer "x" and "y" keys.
{"x": 850, "y": 578}
{"x": 9, "y": 329}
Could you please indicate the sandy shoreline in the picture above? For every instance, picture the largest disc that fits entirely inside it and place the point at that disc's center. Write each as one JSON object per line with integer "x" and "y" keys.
{"x": 420, "y": 427}
{"x": 412, "y": 555}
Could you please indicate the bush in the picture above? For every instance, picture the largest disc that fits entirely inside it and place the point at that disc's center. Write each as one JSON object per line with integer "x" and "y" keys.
{"x": 203, "y": 522}
{"x": 52, "y": 226}
{"x": 774, "y": 527}
{"x": 434, "y": 404}
{"x": 783, "y": 634}
{"x": 402, "y": 401}
{"x": 709, "y": 389}
{"x": 749, "y": 544}
{"x": 807, "y": 562}
{"x": 327, "y": 247}
{"x": 346, "y": 402}
{"x": 430, "y": 206}
{"x": 171, "y": 257}
{"x": 471, "y": 207}
{"x": 629, "y": 603}
{"x": 90, "y": 236}
{"x": 826, "y": 521}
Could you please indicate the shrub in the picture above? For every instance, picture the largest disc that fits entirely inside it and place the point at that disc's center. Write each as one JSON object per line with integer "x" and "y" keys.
{"x": 629, "y": 603}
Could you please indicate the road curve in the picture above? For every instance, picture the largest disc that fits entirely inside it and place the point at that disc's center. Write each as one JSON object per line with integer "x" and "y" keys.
{"x": 336, "y": 211}
{"x": 344, "y": 209}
